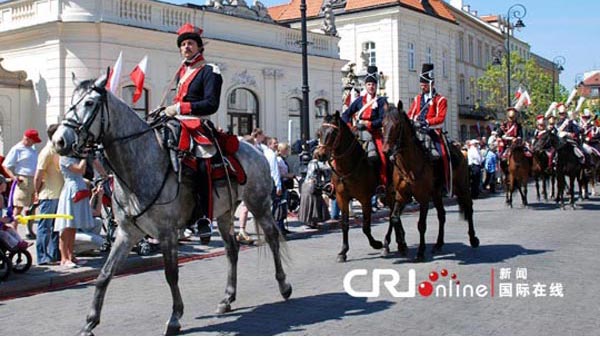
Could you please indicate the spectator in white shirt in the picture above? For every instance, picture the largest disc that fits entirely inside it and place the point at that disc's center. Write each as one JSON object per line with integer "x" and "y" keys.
{"x": 474, "y": 160}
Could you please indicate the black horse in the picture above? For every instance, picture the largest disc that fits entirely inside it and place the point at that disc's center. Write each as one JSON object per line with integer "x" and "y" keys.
{"x": 543, "y": 169}
{"x": 567, "y": 164}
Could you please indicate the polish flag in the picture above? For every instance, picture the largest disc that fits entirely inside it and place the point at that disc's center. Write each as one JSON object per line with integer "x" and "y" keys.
{"x": 518, "y": 93}
{"x": 115, "y": 75}
{"x": 524, "y": 100}
{"x": 138, "y": 74}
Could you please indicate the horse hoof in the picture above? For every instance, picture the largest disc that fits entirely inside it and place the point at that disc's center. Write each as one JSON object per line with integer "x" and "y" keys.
{"x": 85, "y": 332}
{"x": 385, "y": 252}
{"x": 287, "y": 292}
{"x": 223, "y": 308}
{"x": 474, "y": 242}
{"x": 377, "y": 245}
{"x": 172, "y": 330}
{"x": 341, "y": 258}
{"x": 403, "y": 251}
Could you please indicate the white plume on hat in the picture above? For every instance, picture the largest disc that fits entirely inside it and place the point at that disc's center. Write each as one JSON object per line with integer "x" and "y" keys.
{"x": 580, "y": 103}
{"x": 550, "y": 111}
{"x": 571, "y": 96}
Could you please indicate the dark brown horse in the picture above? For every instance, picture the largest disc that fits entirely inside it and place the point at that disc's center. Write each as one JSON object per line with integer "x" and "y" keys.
{"x": 567, "y": 165}
{"x": 519, "y": 169}
{"x": 415, "y": 175}
{"x": 353, "y": 176}
{"x": 542, "y": 169}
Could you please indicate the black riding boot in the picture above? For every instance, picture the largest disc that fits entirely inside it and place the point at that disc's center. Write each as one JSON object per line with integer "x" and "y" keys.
{"x": 202, "y": 195}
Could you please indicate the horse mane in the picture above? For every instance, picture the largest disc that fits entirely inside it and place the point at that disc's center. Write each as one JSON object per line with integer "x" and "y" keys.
{"x": 344, "y": 131}
{"x": 402, "y": 117}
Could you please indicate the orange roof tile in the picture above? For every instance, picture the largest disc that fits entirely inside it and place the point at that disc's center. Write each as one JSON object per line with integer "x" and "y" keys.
{"x": 313, "y": 7}
{"x": 276, "y": 11}
{"x": 489, "y": 18}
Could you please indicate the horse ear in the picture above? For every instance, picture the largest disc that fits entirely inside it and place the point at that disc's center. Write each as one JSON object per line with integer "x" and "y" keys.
{"x": 101, "y": 81}
{"x": 336, "y": 114}
{"x": 400, "y": 105}
{"x": 76, "y": 82}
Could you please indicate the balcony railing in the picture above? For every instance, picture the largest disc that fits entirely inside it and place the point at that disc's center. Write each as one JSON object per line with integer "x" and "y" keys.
{"x": 162, "y": 16}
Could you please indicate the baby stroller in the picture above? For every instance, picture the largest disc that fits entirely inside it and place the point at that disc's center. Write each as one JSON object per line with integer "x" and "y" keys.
{"x": 17, "y": 259}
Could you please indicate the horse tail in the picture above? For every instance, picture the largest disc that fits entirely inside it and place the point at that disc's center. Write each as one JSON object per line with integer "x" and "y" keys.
{"x": 461, "y": 185}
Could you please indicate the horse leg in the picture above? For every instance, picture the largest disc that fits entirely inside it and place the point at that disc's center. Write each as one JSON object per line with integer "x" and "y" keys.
{"x": 537, "y": 187}
{"x": 272, "y": 235}
{"x": 341, "y": 257}
{"x": 399, "y": 229}
{"x": 544, "y": 187}
{"x": 388, "y": 235}
{"x": 366, "y": 226}
{"x": 572, "y": 189}
{"x": 441, "y": 214}
{"x": 523, "y": 191}
{"x": 232, "y": 249}
{"x": 168, "y": 245}
{"x": 422, "y": 225}
{"x": 118, "y": 253}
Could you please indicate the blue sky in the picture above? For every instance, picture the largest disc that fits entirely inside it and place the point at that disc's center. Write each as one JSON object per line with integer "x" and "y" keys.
{"x": 553, "y": 28}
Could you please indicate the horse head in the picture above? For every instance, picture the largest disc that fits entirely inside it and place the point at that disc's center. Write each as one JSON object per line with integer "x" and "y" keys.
{"x": 330, "y": 135}
{"x": 83, "y": 125}
{"x": 548, "y": 140}
{"x": 397, "y": 128}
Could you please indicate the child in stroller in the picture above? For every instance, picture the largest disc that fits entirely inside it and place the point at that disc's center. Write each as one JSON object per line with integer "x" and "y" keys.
{"x": 13, "y": 249}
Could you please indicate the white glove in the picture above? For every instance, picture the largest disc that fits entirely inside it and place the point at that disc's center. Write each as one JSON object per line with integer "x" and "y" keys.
{"x": 562, "y": 134}
{"x": 172, "y": 110}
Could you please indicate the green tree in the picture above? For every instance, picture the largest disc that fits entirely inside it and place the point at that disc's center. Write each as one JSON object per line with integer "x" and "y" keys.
{"x": 530, "y": 77}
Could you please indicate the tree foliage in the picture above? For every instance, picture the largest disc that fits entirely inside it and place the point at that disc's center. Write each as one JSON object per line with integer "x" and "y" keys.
{"x": 529, "y": 76}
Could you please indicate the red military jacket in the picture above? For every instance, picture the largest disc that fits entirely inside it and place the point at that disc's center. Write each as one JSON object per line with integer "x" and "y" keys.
{"x": 437, "y": 110}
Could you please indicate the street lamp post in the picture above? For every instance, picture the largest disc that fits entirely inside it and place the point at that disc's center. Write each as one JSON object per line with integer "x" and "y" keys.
{"x": 557, "y": 66}
{"x": 518, "y": 12}
{"x": 304, "y": 119}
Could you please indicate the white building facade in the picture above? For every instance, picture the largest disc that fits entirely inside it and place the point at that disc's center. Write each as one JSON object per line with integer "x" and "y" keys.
{"x": 398, "y": 39}
{"x": 260, "y": 61}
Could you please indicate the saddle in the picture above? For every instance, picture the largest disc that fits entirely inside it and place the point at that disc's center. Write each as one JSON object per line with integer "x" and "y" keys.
{"x": 192, "y": 141}
{"x": 437, "y": 150}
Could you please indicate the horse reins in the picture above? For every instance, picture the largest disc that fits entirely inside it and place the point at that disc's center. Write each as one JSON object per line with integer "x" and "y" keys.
{"x": 336, "y": 144}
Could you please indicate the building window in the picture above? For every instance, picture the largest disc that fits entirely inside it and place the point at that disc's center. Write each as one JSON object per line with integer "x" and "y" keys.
{"x": 470, "y": 49}
{"x": 321, "y": 108}
{"x": 242, "y": 109}
{"x": 369, "y": 50}
{"x": 294, "y": 105}
{"x": 141, "y": 106}
{"x": 461, "y": 47}
{"x": 471, "y": 93}
{"x": 411, "y": 56}
{"x": 428, "y": 55}
{"x": 487, "y": 55}
{"x": 445, "y": 63}
{"x": 461, "y": 89}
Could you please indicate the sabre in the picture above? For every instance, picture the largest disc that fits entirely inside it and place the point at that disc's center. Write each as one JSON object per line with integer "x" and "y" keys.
{"x": 166, "y": 91}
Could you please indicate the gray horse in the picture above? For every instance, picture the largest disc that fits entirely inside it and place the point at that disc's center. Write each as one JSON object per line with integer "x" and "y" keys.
{"x": 149, "y": 200}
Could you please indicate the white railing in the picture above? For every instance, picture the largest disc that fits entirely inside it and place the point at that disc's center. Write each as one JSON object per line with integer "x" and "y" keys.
{"x": 163, "y": 17}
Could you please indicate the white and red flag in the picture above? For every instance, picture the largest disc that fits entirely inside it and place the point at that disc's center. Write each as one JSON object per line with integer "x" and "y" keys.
{"x": 137, "y": 75}
{"x": 115, "y": 75}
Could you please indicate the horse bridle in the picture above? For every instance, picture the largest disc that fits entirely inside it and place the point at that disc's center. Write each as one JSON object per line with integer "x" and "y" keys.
{"x": 82, "y": 127}
{"x": 336, "y": 142}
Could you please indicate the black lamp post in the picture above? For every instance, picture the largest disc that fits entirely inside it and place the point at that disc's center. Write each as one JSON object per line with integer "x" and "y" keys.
{"x": 304, "y": 118}
{"x": 557, "y": 65}
{"x": 518, "y": 12}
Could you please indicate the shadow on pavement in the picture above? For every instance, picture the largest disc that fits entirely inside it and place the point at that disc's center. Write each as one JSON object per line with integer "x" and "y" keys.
{"x": 291, "y": 315}
{"x": 465, "y": 255}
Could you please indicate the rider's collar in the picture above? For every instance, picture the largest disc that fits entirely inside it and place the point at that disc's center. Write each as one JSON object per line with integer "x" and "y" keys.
{"x": 197, "y": 58}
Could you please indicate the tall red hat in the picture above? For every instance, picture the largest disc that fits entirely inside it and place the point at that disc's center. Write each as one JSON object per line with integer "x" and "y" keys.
{"x": 189, "y": 31}
{"x": 539, "y": 119}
